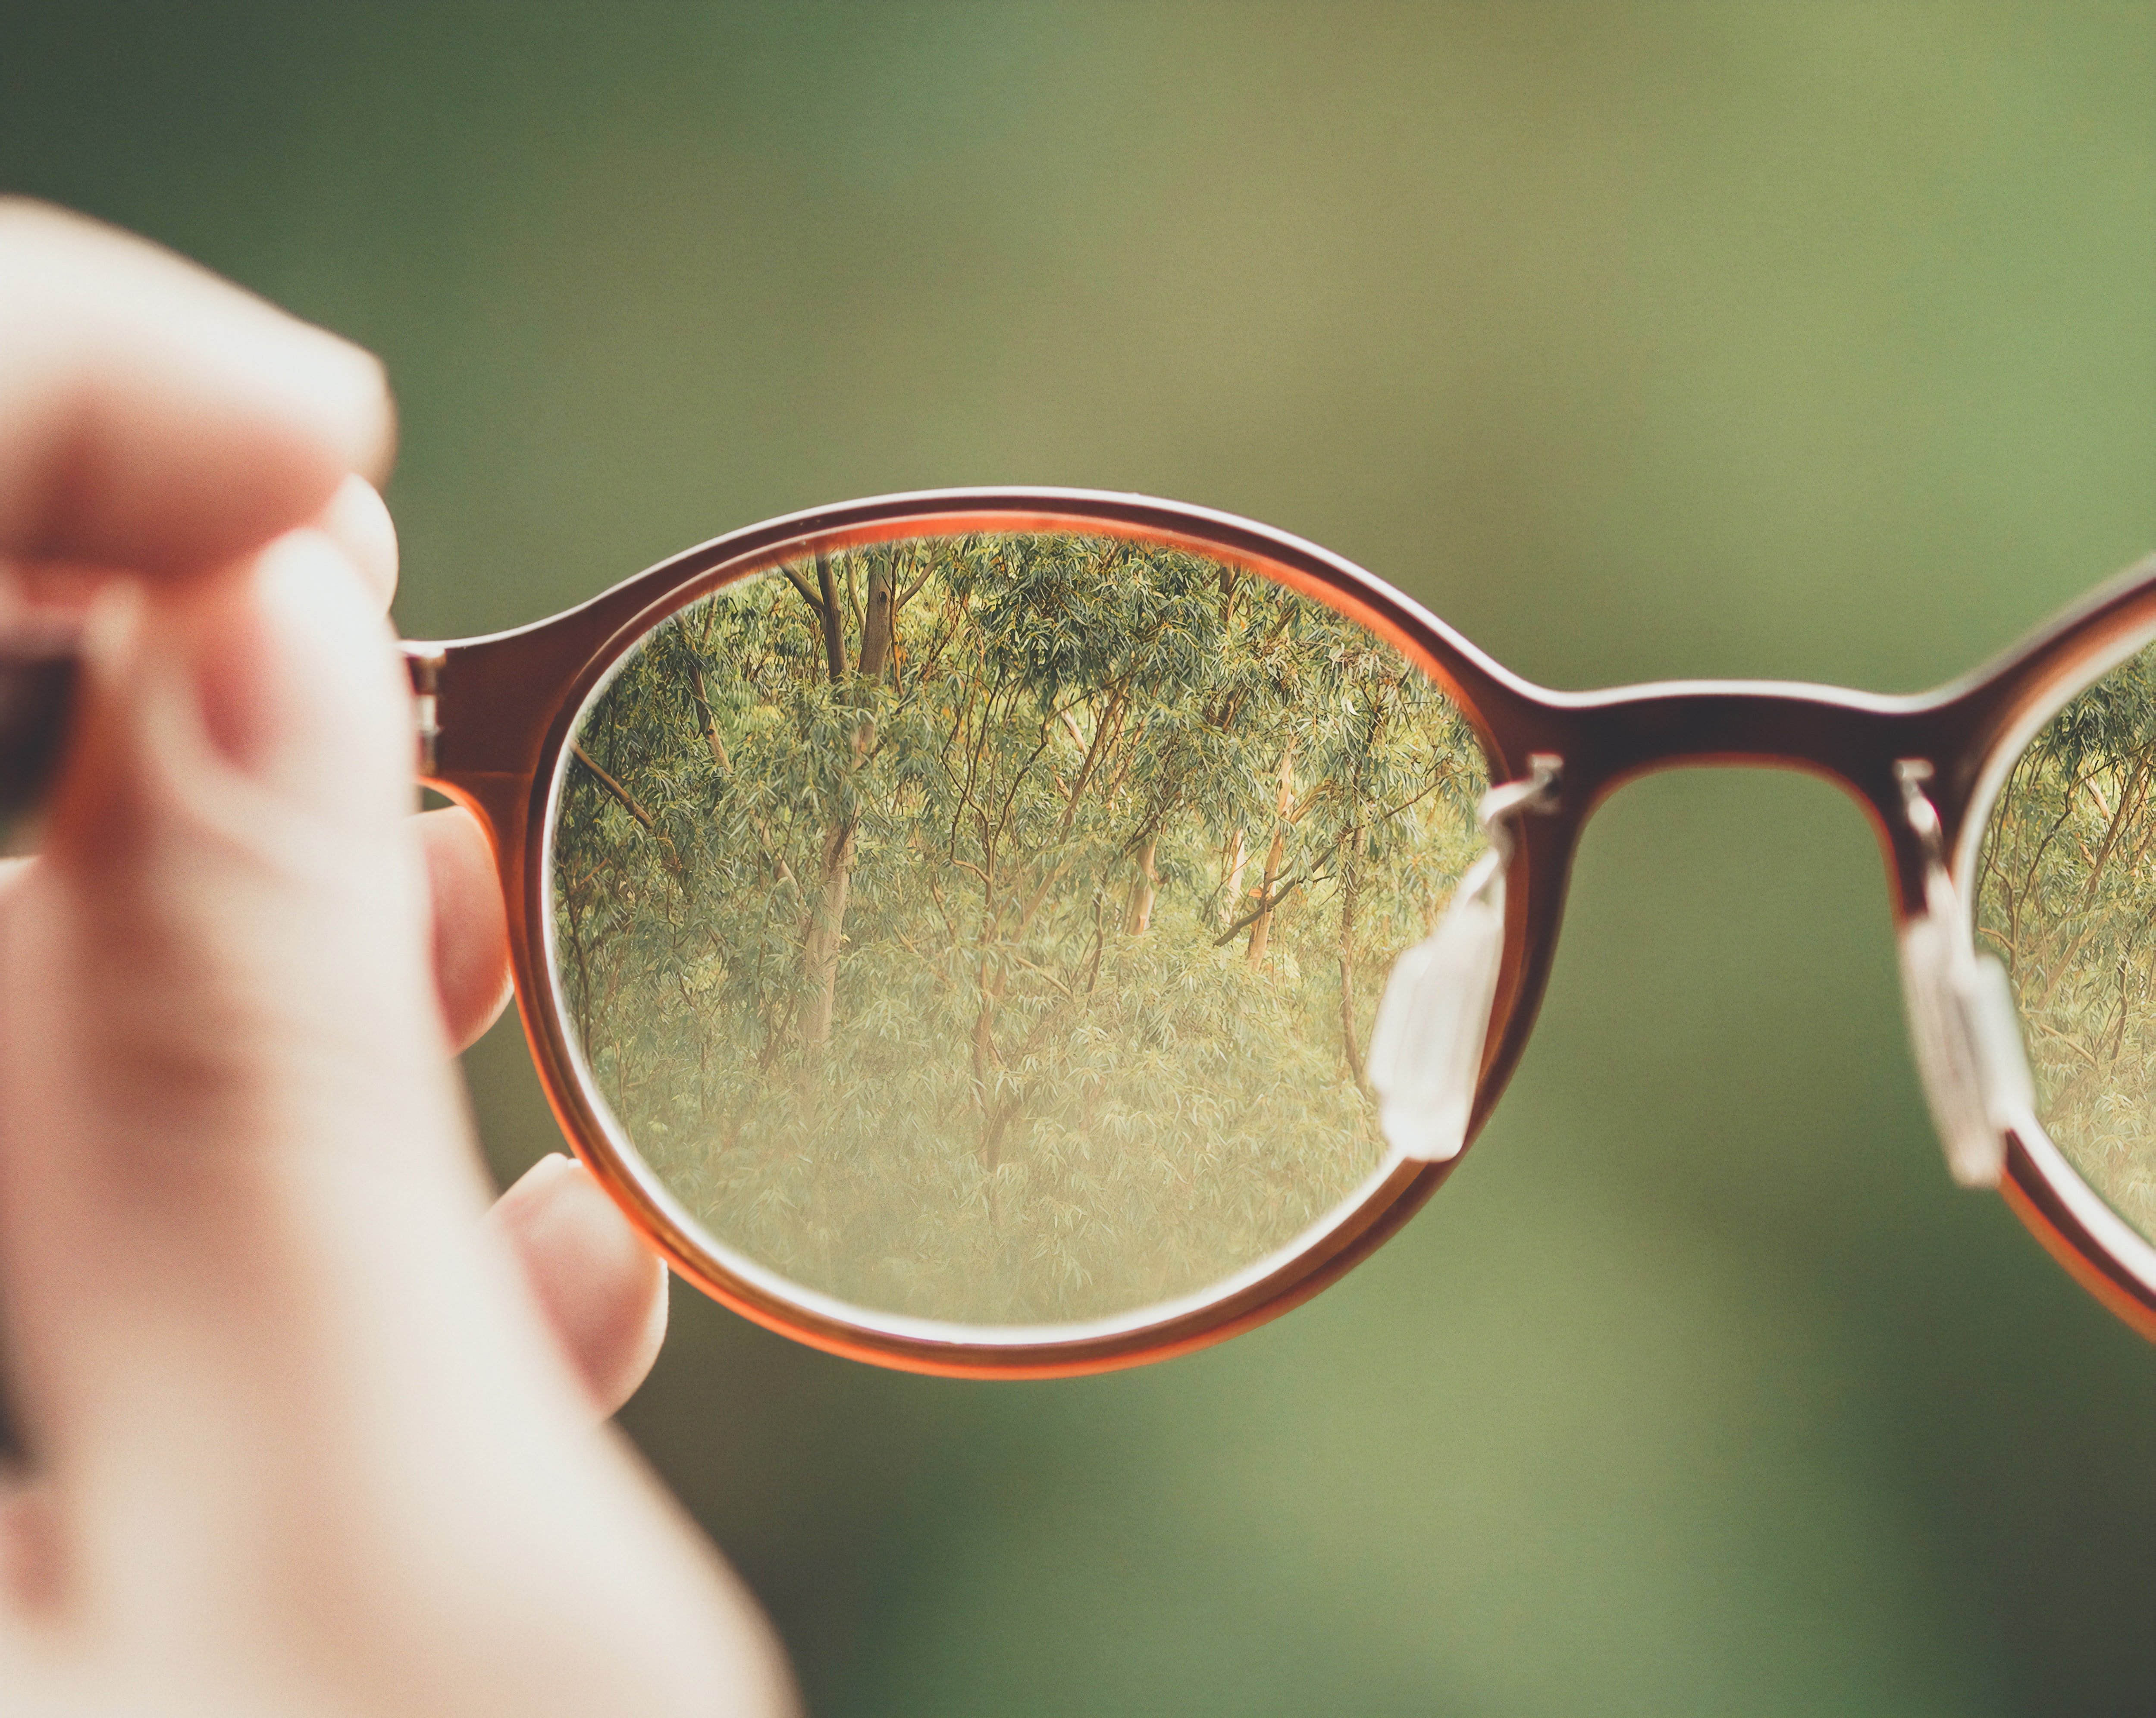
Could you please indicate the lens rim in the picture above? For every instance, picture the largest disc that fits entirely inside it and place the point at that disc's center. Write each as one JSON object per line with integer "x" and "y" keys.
{"x": 510, "y": 769}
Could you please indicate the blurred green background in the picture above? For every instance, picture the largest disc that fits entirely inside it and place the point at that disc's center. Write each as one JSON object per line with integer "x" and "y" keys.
{"x": 1810, "y": 340}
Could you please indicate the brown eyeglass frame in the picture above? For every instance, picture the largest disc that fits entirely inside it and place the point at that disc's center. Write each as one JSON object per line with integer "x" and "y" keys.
{"x": 496, "y": 715}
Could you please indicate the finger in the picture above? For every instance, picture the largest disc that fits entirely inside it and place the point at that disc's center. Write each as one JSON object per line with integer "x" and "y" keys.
{"x": 225, "y": 934}
{"x": 472, "y": 976}
{"x": 354, "y": 518}
{"x": 156, "y": 417}
{"x": 471, "y": 922}
{"x": 602, "y": 1292}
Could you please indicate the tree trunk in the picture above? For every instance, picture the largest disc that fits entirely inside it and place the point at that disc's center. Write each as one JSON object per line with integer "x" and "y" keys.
{"x": 1262, "y": 927}
{"x": 876, "y": 628}
{"x": 997, "y": 1113}
{"x": 582, "y": 1000}
{"x": 985, "y": 1063}
{"x": 825, "y": 931}
{"x": 1351, "y": 891}
{"x": 2129, "y": 805}
{"x": 834, "y": 624}
{"x": 1143, "y": 886}
{"x": 827, "y": 918}
{"x": 712, "y": 743}
{"x": 1231, "y": 890}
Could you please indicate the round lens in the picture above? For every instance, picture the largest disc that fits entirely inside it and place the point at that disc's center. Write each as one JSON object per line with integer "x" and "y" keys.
{"x": 988, "y": 928}
{"x": 2065, "y": 895}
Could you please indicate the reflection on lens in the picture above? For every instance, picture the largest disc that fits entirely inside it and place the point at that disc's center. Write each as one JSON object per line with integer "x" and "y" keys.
{"x": 2066, "y": 897}
{"x": 988, "y": 928}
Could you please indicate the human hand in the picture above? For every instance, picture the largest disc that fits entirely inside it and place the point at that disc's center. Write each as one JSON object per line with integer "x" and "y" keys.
{"x": 304, "y": 1433}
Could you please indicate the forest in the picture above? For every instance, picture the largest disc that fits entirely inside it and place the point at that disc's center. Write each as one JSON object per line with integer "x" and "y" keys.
{"x": 988, "y": 928}
{"x": 2066, "y": 896}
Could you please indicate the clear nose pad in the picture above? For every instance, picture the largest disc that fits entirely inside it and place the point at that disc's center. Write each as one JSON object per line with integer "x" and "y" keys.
{"x": 1963, "y": 1022}
{"x": 1426, "y": 1044}
{"x": 1426, "y": 1047}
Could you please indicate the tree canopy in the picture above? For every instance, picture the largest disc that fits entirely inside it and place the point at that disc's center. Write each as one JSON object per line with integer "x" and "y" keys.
{"x": 988, "y": 928}
{"x": 2066, "y": 897}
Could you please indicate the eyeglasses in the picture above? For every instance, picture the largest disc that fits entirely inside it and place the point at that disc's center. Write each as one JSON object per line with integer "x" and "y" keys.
{"x": 1029, "y": 932}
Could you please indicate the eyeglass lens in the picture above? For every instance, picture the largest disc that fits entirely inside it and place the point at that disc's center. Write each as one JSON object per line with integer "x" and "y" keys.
{"x": 988, "y": 928}
{"x": 2066, "y": 896}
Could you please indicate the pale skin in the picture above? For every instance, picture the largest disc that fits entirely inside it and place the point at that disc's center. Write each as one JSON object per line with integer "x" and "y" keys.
{"x": 309, "y": 1429}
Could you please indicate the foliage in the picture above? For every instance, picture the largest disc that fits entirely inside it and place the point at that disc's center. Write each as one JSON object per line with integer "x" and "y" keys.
{"x": 988, "y": 928}
{"x": 2067, "y": 896}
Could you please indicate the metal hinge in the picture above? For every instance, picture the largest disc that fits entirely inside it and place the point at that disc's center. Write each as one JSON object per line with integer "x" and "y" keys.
{"x": 426, "y": 666}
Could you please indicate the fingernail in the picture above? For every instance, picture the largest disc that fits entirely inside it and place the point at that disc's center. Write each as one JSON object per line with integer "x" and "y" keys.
{"x": 359, "y": 523}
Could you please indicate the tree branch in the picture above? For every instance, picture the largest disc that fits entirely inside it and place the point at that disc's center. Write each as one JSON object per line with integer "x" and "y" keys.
{"x": 671, "y": 858}
{"x": 800, "y": 585}
{"x": 614, "y": 788}
{"x": 1262, "y": 909}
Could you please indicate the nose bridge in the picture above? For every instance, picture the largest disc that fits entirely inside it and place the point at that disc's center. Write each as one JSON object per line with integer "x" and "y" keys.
{"x": 1850, "y": 738}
